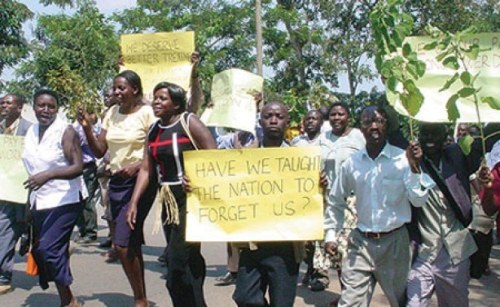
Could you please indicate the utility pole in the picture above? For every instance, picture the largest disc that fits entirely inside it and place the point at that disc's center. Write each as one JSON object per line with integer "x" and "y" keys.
{"x": 258, "y": 35}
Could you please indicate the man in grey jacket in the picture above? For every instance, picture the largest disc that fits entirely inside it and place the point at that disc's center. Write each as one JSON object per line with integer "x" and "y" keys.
{"x": 11, "y": 214}
{"x": 442, "y": 264}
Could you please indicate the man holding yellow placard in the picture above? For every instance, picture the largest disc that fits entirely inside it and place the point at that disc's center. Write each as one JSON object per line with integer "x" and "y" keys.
{"x": 11, "y": 212}
{"x": 272, "y": 266}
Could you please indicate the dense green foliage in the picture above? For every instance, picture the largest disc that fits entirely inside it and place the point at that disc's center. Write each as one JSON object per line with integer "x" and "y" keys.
{"x": 73, "y": 55}
{"x": 13, "y": 45}
{"x": 307, "y": 43}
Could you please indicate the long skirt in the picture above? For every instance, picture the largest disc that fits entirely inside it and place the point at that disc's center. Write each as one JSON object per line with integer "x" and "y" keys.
{"x": 52, "y": 232}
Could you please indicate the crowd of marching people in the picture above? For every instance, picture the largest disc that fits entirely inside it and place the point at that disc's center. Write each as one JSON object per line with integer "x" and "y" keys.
{"x": 416, "y": 217}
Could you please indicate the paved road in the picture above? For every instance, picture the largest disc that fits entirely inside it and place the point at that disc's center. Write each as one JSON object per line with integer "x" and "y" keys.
{"x": 100, "y": 284}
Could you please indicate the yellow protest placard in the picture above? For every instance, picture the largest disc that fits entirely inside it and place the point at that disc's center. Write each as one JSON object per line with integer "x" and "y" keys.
{"x": 233, "y": 93}
{"x": 159, "y": 57}
{"x": 258, "y": 194}
{"x": 487, "y": 65}
{"x": 12, "y": 171}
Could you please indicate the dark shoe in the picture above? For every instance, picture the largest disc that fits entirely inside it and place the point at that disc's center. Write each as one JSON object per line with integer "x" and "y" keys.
{"x": 111, "y": 256}
{"x": 162, "y": 259}
{"x": 487, "y": 271}
{"x": 335, "y": 302}
{"x": 105, "y": 244}
{"x": 317, "y": 285}
{"x": 86, "y": 240}
{"x": 89, "y": 239}
{"x": 306, "y": 279}
{"x": 226, "y": 280}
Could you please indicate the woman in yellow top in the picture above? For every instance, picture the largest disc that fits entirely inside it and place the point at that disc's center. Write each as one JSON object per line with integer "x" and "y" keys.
{"x": 124, "y": 130}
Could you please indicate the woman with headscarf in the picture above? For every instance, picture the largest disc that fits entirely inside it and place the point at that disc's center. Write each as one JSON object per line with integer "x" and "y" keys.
{"x": 176, "y": 131}
{"x": 53, "y": 159}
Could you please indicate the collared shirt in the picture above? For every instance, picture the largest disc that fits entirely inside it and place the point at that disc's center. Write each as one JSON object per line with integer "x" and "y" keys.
{"x": 45, "y": 154}
{"x": 439, "y": 227}
{"x": 304, "y": 140}
{"x": 12, "y": 129}
{"x": 384, "y": 188}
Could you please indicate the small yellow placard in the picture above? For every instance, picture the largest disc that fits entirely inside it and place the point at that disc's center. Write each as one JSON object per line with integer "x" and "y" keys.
{"x": 259, "y": 194}
{"x": 158, "y": 57}
{"x": 233, "y": 97}
{"x": 12, "y": 171}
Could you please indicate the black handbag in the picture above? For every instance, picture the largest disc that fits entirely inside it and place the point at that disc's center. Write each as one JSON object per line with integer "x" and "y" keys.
{"x": 26, "y": 240}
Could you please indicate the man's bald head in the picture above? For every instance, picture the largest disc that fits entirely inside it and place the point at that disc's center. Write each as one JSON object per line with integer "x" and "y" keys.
{"x": 274, "y": 120}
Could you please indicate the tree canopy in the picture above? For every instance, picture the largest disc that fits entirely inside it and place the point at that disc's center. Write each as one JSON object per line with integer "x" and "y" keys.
{"x": 307, "y": 43}
{"x": 73, "y": 55}
{"x": 13, "y": 44}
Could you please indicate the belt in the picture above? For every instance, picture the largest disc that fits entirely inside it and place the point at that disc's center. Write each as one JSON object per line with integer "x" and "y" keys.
{"x": 378, "y": 235}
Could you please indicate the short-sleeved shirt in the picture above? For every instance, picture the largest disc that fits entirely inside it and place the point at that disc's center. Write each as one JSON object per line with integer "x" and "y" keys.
{"x": 336, "y": 149}
{"x": 126, "y": 135}
{"x": 304, "y": 140}
{"x": 87, "y": 154}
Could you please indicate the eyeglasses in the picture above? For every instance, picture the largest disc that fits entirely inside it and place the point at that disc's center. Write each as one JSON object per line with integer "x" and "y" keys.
{"x": 379, "y": 121}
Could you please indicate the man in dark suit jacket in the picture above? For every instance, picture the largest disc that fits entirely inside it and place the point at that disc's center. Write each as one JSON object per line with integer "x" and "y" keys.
{"x": 11, "y": 214}
{"x": 442, "y": 264}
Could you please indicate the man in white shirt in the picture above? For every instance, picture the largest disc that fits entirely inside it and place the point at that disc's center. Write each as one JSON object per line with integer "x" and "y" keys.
{"x": 384, "y": 179}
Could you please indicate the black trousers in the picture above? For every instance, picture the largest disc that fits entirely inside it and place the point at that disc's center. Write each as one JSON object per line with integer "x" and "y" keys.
{"x": 186, "y": 266}
{"x": 479, "y": 260}
{"x": 271, "y": 267}
{"x": 87, "y": 221}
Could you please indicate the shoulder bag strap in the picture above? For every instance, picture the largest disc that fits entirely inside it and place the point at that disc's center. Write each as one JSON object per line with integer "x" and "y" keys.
{"x": 185, "y": 126}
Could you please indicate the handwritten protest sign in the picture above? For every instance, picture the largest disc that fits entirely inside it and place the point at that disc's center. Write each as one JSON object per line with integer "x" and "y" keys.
{"x": 434, "y": 106}
{"x": 12, "y": 172}
{"x": 159, "y": 57}
{"x": 259, "y": 194}
{"x": 233, "y": 92}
